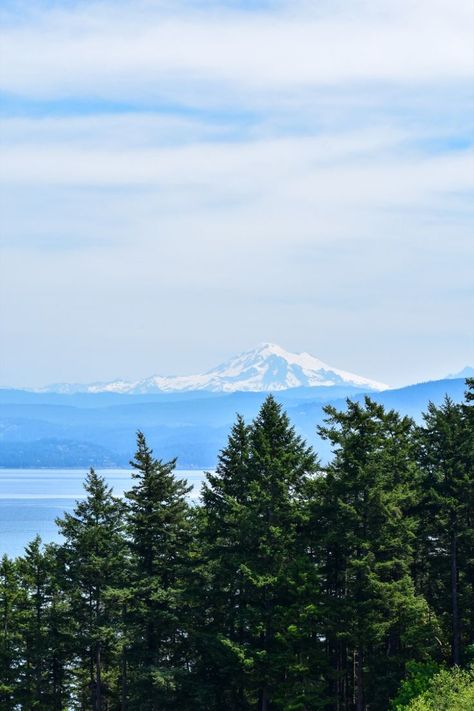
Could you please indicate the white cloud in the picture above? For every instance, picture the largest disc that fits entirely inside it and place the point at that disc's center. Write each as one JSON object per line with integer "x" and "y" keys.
{"x": 117, "y": 51}
{"x": 314, "y": 190}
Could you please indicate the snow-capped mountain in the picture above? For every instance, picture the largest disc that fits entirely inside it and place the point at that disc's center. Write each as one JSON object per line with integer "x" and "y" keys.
{"x": 267, "y": 368}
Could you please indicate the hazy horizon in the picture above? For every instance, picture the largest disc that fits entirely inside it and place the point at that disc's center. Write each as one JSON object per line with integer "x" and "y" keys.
{"x": 182, "y": 181}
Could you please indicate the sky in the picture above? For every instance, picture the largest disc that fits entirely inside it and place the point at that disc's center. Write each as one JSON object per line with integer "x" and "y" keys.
{"x": 181, "y": 181}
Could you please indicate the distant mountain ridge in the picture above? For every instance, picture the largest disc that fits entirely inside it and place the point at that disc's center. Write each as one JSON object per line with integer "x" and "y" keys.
{"x": 98, "y": 429}
{"x": 268, "y": 368}
{"x": 466, "y": 372}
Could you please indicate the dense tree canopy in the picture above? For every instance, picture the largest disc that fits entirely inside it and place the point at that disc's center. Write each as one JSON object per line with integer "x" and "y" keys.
{"x": 289, "y": 587}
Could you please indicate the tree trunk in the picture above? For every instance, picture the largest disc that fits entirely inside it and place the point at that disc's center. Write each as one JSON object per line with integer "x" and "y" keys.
{"x": 454, "y": 596}
{"x": 124, "y": 691}
{"x": 359, "y": 679}
{"x": 263, "y": 701}
{"x": 98, "y": 679}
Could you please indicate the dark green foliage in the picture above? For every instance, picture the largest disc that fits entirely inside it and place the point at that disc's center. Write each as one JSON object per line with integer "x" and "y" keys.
{"x": 446, "y": 542}
{"x": 289, "y": 588}
{"x": 159, "y": 528}
{"x": 258, "y": 565}
{"x": 92, "y": 564}
{"x": 374, "y": 619}
{"x": 44, "y": 621}
{"x": 226, "y": 549}
{"x": 10, "y": 634}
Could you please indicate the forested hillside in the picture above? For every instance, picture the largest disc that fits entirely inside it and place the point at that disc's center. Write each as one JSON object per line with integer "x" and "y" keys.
{"x": 40, "y": 430}
{"x": 292, "y": 586}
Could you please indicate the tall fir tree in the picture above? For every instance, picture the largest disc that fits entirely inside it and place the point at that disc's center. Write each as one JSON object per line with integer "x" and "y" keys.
{"x": 258, "y": 561}
{"x": 225, "y": 599}
{"x": 158, "y": 525}
{"x": 374, "y": 619}
{"x": 447, "y": 460}
{"x": 10, "y": 635}
{"x": 44, "y": 627}
{"x": 35, "y": 688}
{"x": 93, "y": 559}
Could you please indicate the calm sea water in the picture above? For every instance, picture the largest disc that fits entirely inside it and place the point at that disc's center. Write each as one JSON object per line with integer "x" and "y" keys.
{"x": 31, "y": 500}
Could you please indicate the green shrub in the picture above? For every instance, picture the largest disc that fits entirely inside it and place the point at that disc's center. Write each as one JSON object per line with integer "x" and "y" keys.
{"x": 419, "y": 676}
{"x": 448, "y": 690}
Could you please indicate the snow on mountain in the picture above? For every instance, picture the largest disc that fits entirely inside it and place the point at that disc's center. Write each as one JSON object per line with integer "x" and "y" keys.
{"x": 264, "y": 369}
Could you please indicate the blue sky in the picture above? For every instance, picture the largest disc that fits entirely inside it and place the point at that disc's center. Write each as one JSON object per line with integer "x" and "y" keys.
{"x": 180, "y": 181}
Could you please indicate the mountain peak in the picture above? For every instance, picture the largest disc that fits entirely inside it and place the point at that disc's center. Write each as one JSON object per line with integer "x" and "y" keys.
{"x": 270, "y": 367}
{"x": 267, "y": 368}
{"x": 272, "y": 348}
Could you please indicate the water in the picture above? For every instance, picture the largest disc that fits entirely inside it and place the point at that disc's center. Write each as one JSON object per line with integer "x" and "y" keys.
{"x": 31, "y": 500}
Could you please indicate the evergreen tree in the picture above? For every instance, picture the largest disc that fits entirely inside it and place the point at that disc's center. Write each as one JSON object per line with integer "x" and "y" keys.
{"x": 43, "y": 627}
{"x": 93, "y": 562}
{"x": 226, "y": 548}
{"x": 447, "y": 459}
{"x": 257, "y": 561}
{"x": 10, "y": 639}
{"x": 60, "y": 632}
{"x": 34, "y": 690}
{"x": 158, "y": 525}
{"x": 375, "y": 621}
